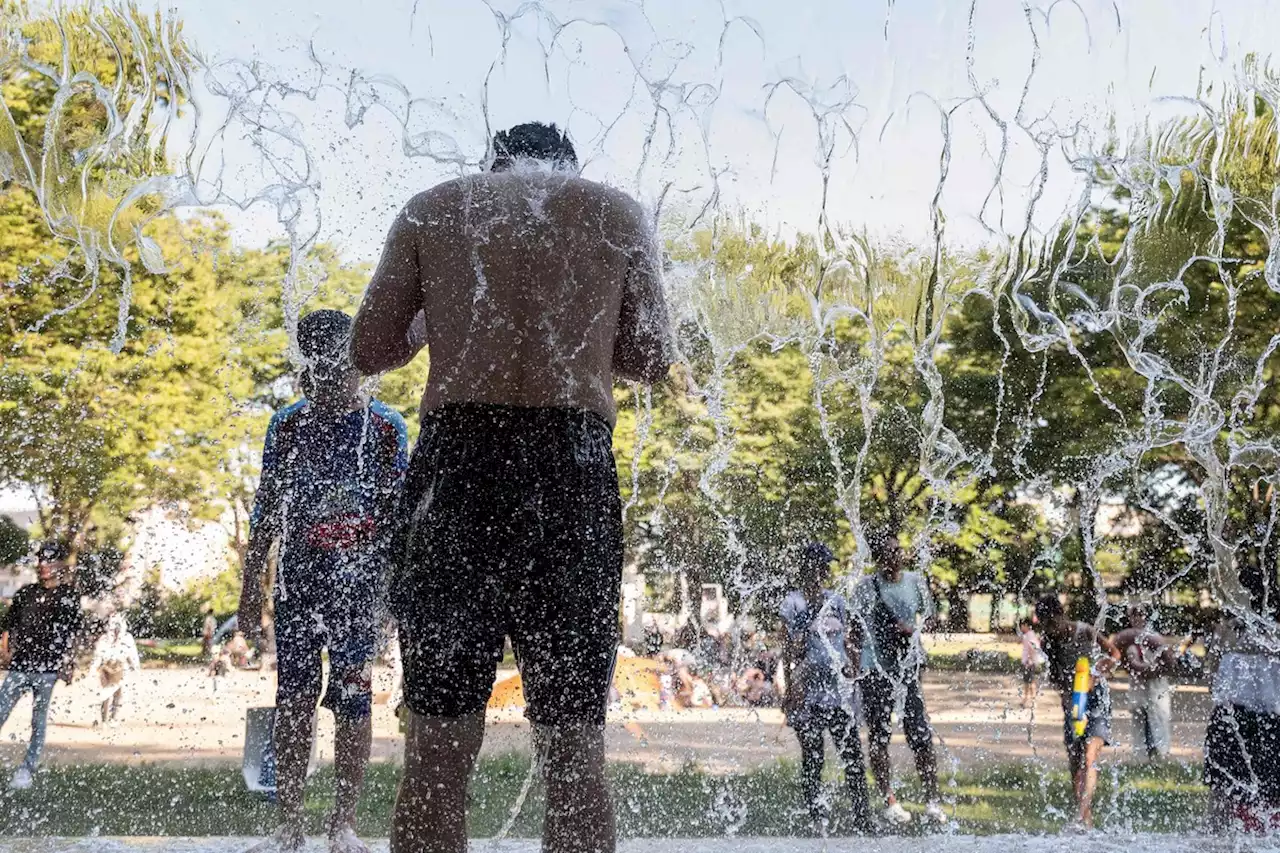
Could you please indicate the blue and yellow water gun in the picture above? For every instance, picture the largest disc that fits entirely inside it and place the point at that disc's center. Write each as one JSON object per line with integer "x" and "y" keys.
{"x": 1080, "y": 696}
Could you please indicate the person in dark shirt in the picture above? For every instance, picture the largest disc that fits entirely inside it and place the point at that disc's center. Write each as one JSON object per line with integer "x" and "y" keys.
{"x": 331, "y": 471}
{"x": 1065, "y": 642}
{"x": 38, "y": 636}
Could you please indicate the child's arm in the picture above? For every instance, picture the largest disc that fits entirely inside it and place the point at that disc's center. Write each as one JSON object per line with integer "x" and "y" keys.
{"x": 262, "y": 535}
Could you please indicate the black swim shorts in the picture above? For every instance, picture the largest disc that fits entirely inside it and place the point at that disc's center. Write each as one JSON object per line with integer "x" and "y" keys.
{"x": 512, "y": 528}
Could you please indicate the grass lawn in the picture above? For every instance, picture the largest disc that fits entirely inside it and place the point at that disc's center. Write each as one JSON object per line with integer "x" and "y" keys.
{"x": 155, "y": 800}
{"x": 171, "y": 652}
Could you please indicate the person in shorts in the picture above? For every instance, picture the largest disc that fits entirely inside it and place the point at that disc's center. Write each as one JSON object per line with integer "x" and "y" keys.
{"x": 893, "y": 605}
{"x": 818, "y": 662}
{"x": 1032, "y": 664}
{"x": 532, "y": 288}
{"x": 332, "y": 467}
{"x": 1064, "y": 642}
{"x": 1242, "y": 742}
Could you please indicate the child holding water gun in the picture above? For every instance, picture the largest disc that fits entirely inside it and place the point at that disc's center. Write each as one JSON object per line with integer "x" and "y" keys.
{"x": 1080, "y": 659}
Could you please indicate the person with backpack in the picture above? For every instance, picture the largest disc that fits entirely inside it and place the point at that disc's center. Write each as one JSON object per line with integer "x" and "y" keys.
{"x": 818, "y": 663}
{"x": 893, "y": 606}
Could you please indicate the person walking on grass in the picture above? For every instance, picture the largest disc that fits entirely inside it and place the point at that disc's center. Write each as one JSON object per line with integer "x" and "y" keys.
{"x": 1066, "y": 642}
{"x": 818, "y": 657}
{"x": 893, "y": 606}
{"x": 332, "y": 467}
{"x": 38, "y": 638}
{"x": 532, "y": 288}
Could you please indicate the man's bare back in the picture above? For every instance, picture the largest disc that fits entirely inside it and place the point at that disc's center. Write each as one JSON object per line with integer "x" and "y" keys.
{"x": 536, "y": 286}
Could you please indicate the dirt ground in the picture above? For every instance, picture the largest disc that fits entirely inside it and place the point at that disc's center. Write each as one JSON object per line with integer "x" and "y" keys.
{"x": 174, "y": 715}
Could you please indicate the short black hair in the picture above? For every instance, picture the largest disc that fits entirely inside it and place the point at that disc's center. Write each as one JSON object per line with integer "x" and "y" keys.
{"x": 882, "y": 543}
{"x": 1048, "y": 609}
{"x": 816, "y": 557}
{"x": 53, "y": 551}
{"x": 323, "y": 333}
{"x": 532, "y": 140}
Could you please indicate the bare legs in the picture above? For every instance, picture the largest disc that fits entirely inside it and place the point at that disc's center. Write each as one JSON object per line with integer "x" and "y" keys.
{"x": 1084, "y": 775}
{"x": 294, "y": 726}
{"x": 580, "y": 815}
{"x": 352, "y": 740}
{"x": 430, "y": 815}
{"x": 431, "y": 807}
{"x": 294, "y": 730}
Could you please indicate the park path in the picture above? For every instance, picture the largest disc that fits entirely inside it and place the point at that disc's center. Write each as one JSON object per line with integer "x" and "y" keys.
{"x": 173, "y": 715}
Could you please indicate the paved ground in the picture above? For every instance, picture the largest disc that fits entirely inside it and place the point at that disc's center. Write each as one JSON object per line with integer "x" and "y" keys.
{"x": 173, "y": 715}
{"x": 1094, "y": 842}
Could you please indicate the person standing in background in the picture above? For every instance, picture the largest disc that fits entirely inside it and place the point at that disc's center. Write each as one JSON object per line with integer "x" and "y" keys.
{"x": 1149, "y": 658}
{"x": 818, "y": 660}
{"x": 892, "y": 607}
{"x": 38, "y": 637}
{"x": 207, "y": 630}
{"x": 115, "y": 658}
{"x": 1032, "y": 661}
{"x": 1242, "y": 742}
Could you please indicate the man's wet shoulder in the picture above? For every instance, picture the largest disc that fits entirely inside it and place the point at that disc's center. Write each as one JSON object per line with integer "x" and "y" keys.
{"x": 430, "y": 204}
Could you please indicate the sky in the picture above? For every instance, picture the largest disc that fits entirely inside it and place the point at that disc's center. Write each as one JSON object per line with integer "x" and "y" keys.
{"x": 754, "y": 108}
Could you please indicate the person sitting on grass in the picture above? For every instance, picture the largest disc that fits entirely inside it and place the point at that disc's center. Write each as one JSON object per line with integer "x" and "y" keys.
{"x": 331, "y": 472}
{"x": 1066, "y": 641}
{"x": 38, "y": 637}
{"x": 818, "y": 662}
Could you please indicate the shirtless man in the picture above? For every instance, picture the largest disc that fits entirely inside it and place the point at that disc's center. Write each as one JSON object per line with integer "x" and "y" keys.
{"x": 532, "y": 288}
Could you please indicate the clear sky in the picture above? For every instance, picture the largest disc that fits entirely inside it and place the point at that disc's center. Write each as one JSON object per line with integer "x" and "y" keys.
{"x": 722, "y": 104}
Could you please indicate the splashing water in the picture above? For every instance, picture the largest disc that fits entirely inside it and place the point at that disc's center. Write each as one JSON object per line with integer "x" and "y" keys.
{"x": 1002, "y": 276}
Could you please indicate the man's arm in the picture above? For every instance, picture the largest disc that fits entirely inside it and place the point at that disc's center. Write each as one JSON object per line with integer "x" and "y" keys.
{"x": 8, "y": 620}
{"x": 793, "y": 652}
{"x": 390, "y": 327}
{"x": 1112, "y": 651}
{"x": 853, "y": 639}
{"x": 79, "y": 629}
{"x": 928, "y": 610}
{"x": 642, "y": 348}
